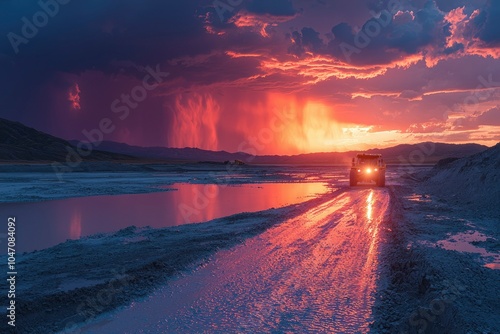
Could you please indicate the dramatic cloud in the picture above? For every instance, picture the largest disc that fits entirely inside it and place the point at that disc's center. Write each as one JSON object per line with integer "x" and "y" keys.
{"x": 222, "y": 74}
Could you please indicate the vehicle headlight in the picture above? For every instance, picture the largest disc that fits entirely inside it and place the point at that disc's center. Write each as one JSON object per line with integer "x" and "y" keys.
{"x": 369, "y": 170}
{"x": 376, "y": 169}
{"x": 359, "y": 170}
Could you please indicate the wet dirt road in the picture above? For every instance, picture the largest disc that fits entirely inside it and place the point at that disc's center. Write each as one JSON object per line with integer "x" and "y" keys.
{"x": 316, "y": 272}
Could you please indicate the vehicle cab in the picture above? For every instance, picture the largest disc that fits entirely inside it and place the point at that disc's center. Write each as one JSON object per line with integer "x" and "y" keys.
{"x": 367, "y": 168}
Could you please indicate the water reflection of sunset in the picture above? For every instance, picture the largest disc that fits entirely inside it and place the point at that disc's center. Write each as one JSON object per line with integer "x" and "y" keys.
{"x": 75, "y": 224}
{"x": 77, "y": 217}
{"x": 369, "y": 205}
{"x": 203, "y": 202}
{"x": 371, "y": 230}
{"x": 318, "y": 268}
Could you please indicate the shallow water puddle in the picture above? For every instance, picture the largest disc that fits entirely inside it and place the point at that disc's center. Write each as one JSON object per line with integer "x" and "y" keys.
{"x": 44, "y": 224}
{"x": 419, "y": 198}
{"x": 464, "y": 242}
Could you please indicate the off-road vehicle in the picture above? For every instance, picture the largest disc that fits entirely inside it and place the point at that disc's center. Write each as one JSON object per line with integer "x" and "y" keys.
{"x": 367, "y": 168}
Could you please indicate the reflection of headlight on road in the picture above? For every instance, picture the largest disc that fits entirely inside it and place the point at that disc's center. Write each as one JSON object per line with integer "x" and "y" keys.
{"x": 369, "y": 170}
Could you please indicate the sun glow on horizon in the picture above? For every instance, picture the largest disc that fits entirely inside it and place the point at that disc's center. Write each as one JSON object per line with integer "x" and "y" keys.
{"x": 287, "y": 124}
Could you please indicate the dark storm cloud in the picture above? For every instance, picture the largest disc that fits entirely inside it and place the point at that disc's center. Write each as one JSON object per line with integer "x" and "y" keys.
{"x": 397, "y": 29}
{"x": 214, "y": 69}
{"x": 99, "y": 48}
{"x": 220, "y": 12}
{"x": 411, "y": 29}
{"x": 306, "y": 40}
{"x": 104, "y": 35}
{"x": 407, "y": 33}
{"x": 94, "y": 35}
{"x": 487, "y": 23}
{"x": 95, "y": 41}
{"x": 470, "y": 5}
{"x": 454, "y": 48}
{"x": 274, "y": 7}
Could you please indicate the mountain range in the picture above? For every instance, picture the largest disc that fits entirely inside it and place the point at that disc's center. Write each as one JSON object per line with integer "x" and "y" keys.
{"x": 19, "y": 143}
{"x": 422, "y": 153}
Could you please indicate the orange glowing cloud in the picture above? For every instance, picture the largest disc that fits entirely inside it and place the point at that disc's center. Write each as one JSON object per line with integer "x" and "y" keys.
{"x": 458, "y": 23}
{"x": 462, "y": 35}
{"x": 417, "y": 96}
{"x": 258, "y": 23}
{"x": 251, "y": 21}
{"x": 234, "y": 54}
{"x": 315, "y": 68}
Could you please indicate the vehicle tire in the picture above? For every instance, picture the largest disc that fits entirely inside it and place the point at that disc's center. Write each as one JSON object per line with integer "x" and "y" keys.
{"x": 381, "y": 180}
{"x": 352, "y": 179}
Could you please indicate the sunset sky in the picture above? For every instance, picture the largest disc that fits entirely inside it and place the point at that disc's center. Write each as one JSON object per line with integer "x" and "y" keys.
{"x": 280, "y": 76}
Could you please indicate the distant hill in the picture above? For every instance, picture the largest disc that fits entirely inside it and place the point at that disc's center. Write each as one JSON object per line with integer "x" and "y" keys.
{"x": 423, "y": 153}
{"x": 21, "y": 143}
{"x": 165, "y": 153}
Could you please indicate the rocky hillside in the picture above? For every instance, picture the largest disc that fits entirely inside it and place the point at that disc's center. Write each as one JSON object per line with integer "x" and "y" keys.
{"x": 21, "y": 143}
{"x": 472, "y": 181}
